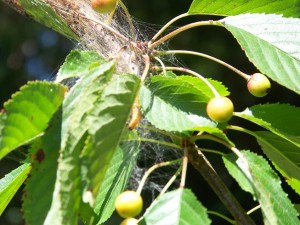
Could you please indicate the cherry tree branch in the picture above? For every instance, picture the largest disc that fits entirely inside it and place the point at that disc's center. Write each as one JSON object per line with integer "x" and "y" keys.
{"x": 202, "y": 165}
{"x": 94, "y": 30}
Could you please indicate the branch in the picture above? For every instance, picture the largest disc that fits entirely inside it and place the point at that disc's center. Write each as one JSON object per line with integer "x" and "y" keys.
{"x": 201, "y": 164}
{"x": 93, "y": 30}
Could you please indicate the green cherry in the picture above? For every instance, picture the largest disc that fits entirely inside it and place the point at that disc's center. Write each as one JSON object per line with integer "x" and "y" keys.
{"x": 220, "y": 109}
{"x": 129, "y": 204}
{"x": 258, "y": 85}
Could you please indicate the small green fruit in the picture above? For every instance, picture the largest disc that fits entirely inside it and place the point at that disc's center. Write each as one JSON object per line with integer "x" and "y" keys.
{"x": 129, "y": 204}
{"x": 220, "y": 109}
{"x": 104, "y": 6}
{"x": 130, "y": 221}
{"x": 258, "y": 85}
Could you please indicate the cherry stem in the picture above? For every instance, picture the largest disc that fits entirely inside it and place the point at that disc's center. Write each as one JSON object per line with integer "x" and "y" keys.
{"x": 156, "y": 142}
{"x": 166, "y": 26}
{"x": 151, "y": 169}
{"x": 221, "y": 216}
{"x": 212, "y": 88}
{"x": 161, "y": 64}
{"x": 129, "y": 20}
{"x": 184, "y": 164}
{"x": 242, "y": 74}
{"x": 211, "y": 151}
{"x": 253, "y": 209}
{"x": 146, "y": 68}
{"x": 221, "y": 141}
{"x": 181, "y": 29}
{"x": 171, "y": 180}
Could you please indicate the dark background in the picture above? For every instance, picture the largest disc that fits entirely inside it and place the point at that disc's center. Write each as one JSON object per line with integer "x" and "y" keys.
{"x": 29, "y": 51}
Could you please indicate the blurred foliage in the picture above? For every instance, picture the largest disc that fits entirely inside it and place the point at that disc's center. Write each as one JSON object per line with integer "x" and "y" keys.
{"x": 29, "y": 51}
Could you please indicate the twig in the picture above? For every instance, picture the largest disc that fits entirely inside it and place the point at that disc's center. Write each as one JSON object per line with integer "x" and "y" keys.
{"x": 201, "y": 164}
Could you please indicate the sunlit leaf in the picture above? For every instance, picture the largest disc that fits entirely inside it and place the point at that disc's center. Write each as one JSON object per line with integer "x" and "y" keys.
{"x": 77, "y": 104}
{"x": 27, "y": 114}
{"x": 178, "y": 103}
{"x": 107, "y": 121}
{"x": 77, "y": 64}
{"x": 265, "y": 187}
{"x": 271, "y": 42}
{"x": 177, "y": 207}
{"x": 10, "y": 184}
{"x": 229, "y": 7}
{"x": 43, "y": 13}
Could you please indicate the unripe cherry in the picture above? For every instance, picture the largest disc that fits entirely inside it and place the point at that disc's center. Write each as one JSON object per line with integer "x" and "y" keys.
{"x": 258, "y": 85}
{"x": 130, "y": 221}
{"x": 220, "y": 109}
{"x": 129, "y": 204}
{"x": 104, "y": 6}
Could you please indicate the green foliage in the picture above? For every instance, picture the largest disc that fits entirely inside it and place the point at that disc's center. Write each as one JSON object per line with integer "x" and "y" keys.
{"x": 116, "y": 179}
{"x": 281, "y": 119}
{"x": 176, "y": 207}
{"x": 178, "y": 103}
{"x": 39, "y": 188}
{"x": 276, "y": 54}
{"x": 81, "y": 152}
{"x": 11, "y": 183}
{"x": 254, "y": 175}
{"x": 228, "y": 7}
{"x": 283, "y": 154}
{"x": 27, "y": 114}
{"x": 78, "y": 64}
{"x": 44, "y": 14}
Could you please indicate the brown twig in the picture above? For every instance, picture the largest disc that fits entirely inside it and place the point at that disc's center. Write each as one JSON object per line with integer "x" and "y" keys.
{"x": 202, "y": 165}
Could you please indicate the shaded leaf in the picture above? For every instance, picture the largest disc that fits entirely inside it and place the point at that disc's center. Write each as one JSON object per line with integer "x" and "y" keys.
{"x": 176, "y": 207}
{"x": 77, "y": 64}
{"x": 44, "y": 154}
{"x": 27, "y": 114}
{"x": 43, "y": 13}
{"x": 285, "y": 155}
{"x": 116, "y": 179}
{"x": 281, "y": 119}
{"x": 228, "y": 7}
{"x": 178, "y": 103}
{"x": 266, "y": 188}
{"x": 10, "y": 184}
{"x": 274, "y": 53}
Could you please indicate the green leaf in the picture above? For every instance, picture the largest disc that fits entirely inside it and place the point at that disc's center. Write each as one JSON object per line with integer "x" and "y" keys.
{"x": 178, "y": 103}
{"x": 229, "y": 7}
{"x": 27, "y": 114}
{"x": 77, "y": 64}
{"x": 107, "y": 121}
{"x": 285, "y": 155}
{"x": 116, "y": 179}
{"x": 43, "y": 13}
{"x": 280, "y": 119}
{"x": 10, "y": 184}
{"x": 276, "y": 207}
{"x": 271, "y": 44}
{"x": 44, "y": 154}
{"x": 176, "y": 207}
{"x": 77, "y": 104}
